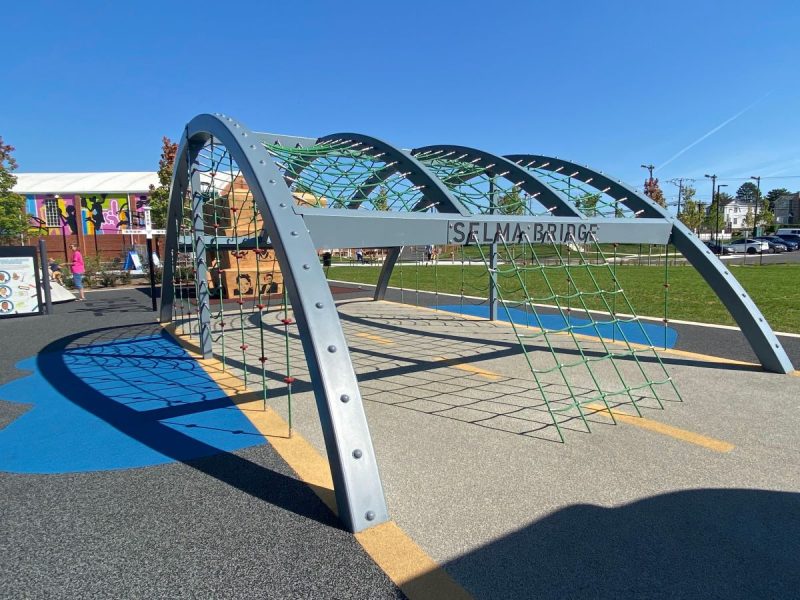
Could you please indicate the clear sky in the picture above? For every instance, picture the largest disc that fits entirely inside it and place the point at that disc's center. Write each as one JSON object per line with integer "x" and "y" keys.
{"x": 92, "y": 86}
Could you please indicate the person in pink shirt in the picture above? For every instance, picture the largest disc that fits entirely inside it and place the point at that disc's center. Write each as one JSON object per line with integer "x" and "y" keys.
{"x": 78, "y": 269}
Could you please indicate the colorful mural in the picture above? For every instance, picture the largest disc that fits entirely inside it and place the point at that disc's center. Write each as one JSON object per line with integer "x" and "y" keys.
{"x": 92, "y": 213}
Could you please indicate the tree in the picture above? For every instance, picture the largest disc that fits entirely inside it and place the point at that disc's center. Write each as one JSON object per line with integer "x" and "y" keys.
{"x": 748, "y": 193}
{"x": 692, "y": 214}
{"x": 13, "y": 220}
{"x": 381, "y": 199}
{"x": 588, "y": 204}
{"x": 511, "y": 203}
{"x": 773, "y": 195}
{"x": 159, "y": 196}
{"x": 750, "y": 219}
{"x": 653, "y": 191}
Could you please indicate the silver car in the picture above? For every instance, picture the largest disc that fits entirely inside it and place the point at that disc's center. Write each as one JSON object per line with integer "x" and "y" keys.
{"x": 748, "y": 245}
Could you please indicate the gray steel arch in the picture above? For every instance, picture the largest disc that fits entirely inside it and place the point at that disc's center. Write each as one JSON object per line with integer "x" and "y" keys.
{"x": 435, "y": 194}
{"x": 495, "y": 165}
{"x": 528, "y": 183}
{"x": 357, "y": 485}
{"x": 754, "y": 326}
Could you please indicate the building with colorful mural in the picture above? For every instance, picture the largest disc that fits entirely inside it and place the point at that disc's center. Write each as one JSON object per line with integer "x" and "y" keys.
{"x": 86, "y": 206}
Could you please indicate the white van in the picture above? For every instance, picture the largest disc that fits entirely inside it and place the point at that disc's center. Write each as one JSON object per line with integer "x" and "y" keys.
{"x": 788, "y": 231}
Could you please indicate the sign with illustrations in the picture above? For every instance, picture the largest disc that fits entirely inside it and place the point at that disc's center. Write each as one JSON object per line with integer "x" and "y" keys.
{"x": 19, "y": 282}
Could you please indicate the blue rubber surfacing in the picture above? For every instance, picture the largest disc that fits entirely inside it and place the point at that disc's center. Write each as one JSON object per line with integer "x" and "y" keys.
{"x": 636, "y": 333}
{"x": 130, "y": 403}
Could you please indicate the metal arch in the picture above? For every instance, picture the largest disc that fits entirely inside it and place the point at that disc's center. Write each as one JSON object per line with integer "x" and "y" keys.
{"x": 435, "y": 192}
{"x": 754, "y": 326}
{"x": 357, "y": 485}
{"x": 495, "y": 165}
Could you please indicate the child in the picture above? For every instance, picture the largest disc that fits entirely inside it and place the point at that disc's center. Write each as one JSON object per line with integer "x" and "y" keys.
{"x": 55, "y": 272}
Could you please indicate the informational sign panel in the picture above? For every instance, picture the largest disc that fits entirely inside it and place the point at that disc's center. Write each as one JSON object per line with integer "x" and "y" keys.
{"x": 19, "y": 282}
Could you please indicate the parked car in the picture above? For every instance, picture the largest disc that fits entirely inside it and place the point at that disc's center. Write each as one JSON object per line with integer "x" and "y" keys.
{"x": 788, "y": 231}
{"x": 790, "y": 238}
{"x": 717, "y": 248}
{"x": 748, "y": 245}
{"x": 790, "y": 246}
{"x": 774, "y": 246}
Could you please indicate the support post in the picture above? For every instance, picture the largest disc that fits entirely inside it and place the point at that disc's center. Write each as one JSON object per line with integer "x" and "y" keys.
{"x": 48, "y": 302}
{"x": 386, "y": 272}
{"x": 152, "y": 269}
{"x": 493, "y": 302}
{"x": 203, "y": 297}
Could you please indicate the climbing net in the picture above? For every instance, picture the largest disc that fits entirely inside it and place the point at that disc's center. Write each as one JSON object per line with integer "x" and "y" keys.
{"x": 584, "y": 345}
{"x": 346, "y": 174}
{"x": 247, "y": 296}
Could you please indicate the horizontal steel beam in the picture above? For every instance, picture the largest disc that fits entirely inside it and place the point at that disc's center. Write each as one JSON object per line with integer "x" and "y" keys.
{"x": 330, "y": 228}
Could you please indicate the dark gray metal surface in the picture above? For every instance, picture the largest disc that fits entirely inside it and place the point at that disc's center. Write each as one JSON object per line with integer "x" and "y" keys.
{"x": 359, "y": 493}
{"x": 201, "y": 270}
{"x": 765, "y": 344}
{"x": 497, "y": 166}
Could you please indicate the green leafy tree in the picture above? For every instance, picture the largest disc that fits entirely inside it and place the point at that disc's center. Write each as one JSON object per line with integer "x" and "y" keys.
{"x": 511, "y": 202}
{"x": 381, "y": 199}
{"x": 588, "y": 204}
{"x": 773, "y": 195}
{"x": 750, "y": 219}
{"x": 692, "y": 214}
{"x": 13, "y": 220}
{"x": 748, "y": 192}
{"x": 653, "y": 191}
{"x": 159, "y": 196}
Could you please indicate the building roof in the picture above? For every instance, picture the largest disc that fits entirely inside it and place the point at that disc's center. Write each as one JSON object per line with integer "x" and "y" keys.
{"x": 85, "y": 183}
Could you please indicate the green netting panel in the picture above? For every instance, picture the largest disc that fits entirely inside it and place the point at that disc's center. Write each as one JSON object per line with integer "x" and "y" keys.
{"x": 480, "y": 191}
{"x": 343, "y": 174}
{"x": 586, "y": 361}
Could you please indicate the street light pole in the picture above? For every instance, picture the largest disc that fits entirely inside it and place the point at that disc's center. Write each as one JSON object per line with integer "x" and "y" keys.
{"x": 720, "y": 186}
{"x": 713, "y": 179}
{"x": 758, "y": 201}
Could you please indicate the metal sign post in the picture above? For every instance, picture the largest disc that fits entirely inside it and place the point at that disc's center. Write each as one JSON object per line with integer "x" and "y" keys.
{"x": 148, "y": 229}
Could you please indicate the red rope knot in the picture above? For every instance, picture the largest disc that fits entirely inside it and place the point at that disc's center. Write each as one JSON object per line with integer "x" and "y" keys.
{"x": 221, "y": 324}
{"x": 239, "y": 253}
{"x": 287, "y": 321}
{"x": 569, "y": 309}
{"x": 260, "y": 306}
{"x": 234, "y": 209}
{"x": 289, "y": 380}
{"x": 262, "y": 252}
{"x": 262, "y": 359}
{"x": 666, "y": 321}
{"x": 240, "y": 302}
{"x": 666, "y": 285}
{"x": 243, "y": 346}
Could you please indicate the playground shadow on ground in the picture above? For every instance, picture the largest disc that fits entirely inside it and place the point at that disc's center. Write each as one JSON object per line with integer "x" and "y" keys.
{"x": 147, "y": 428}
{"x": 705, "y": 543}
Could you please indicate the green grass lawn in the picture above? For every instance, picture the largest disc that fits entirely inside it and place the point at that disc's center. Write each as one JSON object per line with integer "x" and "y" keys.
{"x": 775, "y": 288}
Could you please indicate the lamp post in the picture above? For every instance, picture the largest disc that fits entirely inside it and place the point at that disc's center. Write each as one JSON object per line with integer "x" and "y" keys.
{"x": 713, "y": 179}
{"x": 720, "y": 186}
{"x": 758, "y": 201}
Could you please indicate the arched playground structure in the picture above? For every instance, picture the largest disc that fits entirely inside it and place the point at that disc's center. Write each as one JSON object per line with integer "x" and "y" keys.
{"x": 249, "y": 212}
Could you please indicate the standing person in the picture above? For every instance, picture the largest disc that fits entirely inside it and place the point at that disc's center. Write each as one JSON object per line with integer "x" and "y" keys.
{"x": 78, "y": 269}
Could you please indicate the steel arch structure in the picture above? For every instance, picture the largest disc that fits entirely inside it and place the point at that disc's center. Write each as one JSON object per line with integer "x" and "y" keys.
{"x": 296, "y": 232}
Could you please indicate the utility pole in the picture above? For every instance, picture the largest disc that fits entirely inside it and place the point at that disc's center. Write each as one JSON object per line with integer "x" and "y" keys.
{"x": 713, "y": 179}
{"x": 650, "y": 169}
{"x": 758, "y": 201}
{"x": 719, "y": 187}
{"x": 679, "y": 182}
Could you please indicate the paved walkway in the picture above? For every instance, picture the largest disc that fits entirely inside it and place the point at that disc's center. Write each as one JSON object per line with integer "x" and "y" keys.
{"x": 698, "y": 499}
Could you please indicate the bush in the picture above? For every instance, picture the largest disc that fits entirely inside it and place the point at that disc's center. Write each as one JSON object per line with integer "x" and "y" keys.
{"x": 106, "y": 279}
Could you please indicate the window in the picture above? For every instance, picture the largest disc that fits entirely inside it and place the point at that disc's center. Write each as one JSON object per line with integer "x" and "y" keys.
{"x": 52, "y": 215}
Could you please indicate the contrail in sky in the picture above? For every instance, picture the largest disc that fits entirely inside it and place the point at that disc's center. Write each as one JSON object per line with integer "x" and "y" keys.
{"x": 712, "y": 132}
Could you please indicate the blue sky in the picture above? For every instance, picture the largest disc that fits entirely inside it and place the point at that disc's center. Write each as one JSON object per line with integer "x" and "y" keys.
{"x": 92, "y": 86}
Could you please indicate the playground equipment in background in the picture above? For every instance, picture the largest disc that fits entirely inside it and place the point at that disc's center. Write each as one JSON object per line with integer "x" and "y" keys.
{"x": 260, "y": 205}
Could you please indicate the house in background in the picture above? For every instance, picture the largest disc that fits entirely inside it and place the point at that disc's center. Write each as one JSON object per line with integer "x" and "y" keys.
{"x": 787, "y": 209}
{"x": 735, "y": 211}
{"x": 93, "y": 210}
